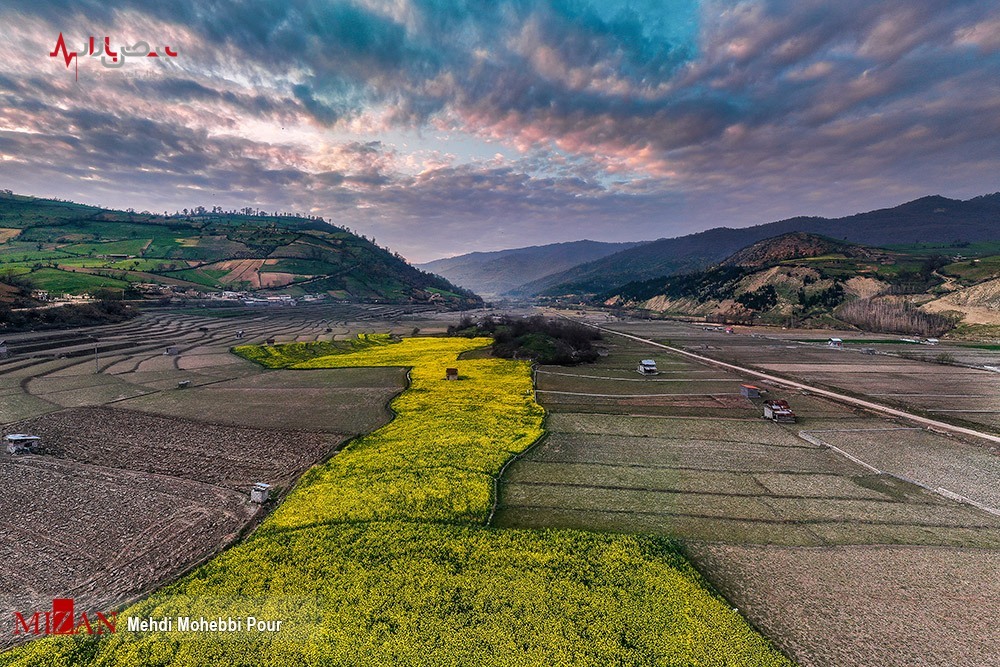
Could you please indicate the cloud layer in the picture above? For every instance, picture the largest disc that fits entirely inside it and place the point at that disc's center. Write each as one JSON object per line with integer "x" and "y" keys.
{"x": 443, "y": 126}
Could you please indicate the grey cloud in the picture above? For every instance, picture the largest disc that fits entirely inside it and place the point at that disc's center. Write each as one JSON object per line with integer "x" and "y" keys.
{"x": 770, "y": 108}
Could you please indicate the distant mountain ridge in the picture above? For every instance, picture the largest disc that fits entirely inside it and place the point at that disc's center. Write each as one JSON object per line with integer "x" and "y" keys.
{"x": 934, "y": 219}
{"x": 494, "y": 273}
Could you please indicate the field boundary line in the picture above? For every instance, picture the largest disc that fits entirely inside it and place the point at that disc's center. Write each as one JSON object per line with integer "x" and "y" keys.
{"x": 964, "y": 499}
{"x": 805, "y": 523}
{"x": 576, "y": 393}
{"x": 820, "y": 443}
{"x": 664, "y": 380}
{"x": 517, "y": 456}
{"x": 865, "y": 430}
{"x": 720, "y": 494}
{"x": 613, "y": 379}
{"x": 937, "y": 395}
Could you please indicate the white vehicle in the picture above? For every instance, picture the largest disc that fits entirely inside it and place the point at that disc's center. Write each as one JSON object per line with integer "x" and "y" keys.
{"x": 647, "y": 367}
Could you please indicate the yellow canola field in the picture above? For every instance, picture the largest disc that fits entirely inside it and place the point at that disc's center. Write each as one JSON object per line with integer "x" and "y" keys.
{"x": 436, "y": 459}
{"x": 380, "y": 557}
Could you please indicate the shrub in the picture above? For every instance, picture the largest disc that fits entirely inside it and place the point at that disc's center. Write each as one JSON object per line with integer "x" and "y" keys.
{"x": 541, "y": 339}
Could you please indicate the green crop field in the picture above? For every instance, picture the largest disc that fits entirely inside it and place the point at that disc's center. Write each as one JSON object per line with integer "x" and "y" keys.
{"x": 125, "y": 247}
{"x": 55, "y": 280}
{"x": 382, "y": 555}
{"x": 20, "y": 211}
{"x": 973, "y": 249}
{"x": 205, "y": 277}
{"x": 16, "y": 251}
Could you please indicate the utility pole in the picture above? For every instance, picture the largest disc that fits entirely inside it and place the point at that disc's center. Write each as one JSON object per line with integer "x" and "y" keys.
{"x": 97, "y": 365}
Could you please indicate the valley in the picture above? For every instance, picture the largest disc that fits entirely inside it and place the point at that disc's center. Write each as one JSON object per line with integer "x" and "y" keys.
{"x": 846, "y": 515}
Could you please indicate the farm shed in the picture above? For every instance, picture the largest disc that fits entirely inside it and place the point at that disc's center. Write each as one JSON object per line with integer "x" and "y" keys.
{"x": 749, "y": 391}
{"x": 451, "y": 373}
{"x": 779, "y": 411}
{"x": 4, "y": 351}
{"x": 172, "y": 350}
{"x": 260, "y": 492}
{"x": 647, "y": 367}
{"x": 836, "y": 342}
{"x": 20, "y": 443}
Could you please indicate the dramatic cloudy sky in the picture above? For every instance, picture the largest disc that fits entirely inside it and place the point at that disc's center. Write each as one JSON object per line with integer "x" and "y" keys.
{"x": 444, "y": 126}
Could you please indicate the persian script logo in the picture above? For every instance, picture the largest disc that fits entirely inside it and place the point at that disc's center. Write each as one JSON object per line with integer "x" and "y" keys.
{"x": 62, "y": 621}
{"x": 109, "y": 58}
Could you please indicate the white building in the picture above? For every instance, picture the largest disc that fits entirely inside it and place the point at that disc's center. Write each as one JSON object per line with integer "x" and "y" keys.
{"x": 260, "y": 493}
{"x": 20, "y": 443}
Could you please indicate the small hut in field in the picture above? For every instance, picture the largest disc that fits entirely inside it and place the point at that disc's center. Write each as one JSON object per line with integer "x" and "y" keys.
{"x": 260, "y": 492}
{"x": 21, "y": 443}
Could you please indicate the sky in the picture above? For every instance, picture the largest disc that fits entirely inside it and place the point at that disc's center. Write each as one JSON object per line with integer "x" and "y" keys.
{"x": 441, "y": 127}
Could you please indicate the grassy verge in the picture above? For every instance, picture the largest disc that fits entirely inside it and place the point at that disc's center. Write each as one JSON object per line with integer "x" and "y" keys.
{"x": 381, "y": 557}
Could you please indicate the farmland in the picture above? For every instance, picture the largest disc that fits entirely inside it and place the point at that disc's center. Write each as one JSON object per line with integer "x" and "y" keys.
{"x": 950, "y": 381}
{"x": 142, "y": 480}
{"x": 389, "y": 533}
{"x": 788, "y": 528}
{"x": 392, "y": 548}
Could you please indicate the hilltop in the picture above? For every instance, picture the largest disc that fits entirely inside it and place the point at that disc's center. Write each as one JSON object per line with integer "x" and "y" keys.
{"x": 796, "y": 245}
{"x": 62, "y": 247}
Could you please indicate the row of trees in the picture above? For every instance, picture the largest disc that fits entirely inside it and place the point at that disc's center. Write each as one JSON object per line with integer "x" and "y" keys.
{"x": 246, "y": 210}
{"x": 884, "y": 316}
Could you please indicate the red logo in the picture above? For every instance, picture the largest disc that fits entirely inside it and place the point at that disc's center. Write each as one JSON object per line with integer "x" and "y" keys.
{"x": 109, "y": 58}
{"x": 62, "y": 621}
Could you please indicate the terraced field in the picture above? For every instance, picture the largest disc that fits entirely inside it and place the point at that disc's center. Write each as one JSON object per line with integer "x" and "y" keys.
{"x": 823, "y": 555}
{"x": 141, "y": 479}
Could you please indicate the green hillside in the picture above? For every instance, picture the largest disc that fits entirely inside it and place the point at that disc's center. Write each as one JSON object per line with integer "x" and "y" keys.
{"x": 809, "y": 280}
{"x": 64, "y": 247}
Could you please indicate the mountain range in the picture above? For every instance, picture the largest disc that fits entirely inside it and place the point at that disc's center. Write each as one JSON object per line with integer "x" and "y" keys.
{"x": 491, "y": 274}
{"x": 929, "y": 220}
